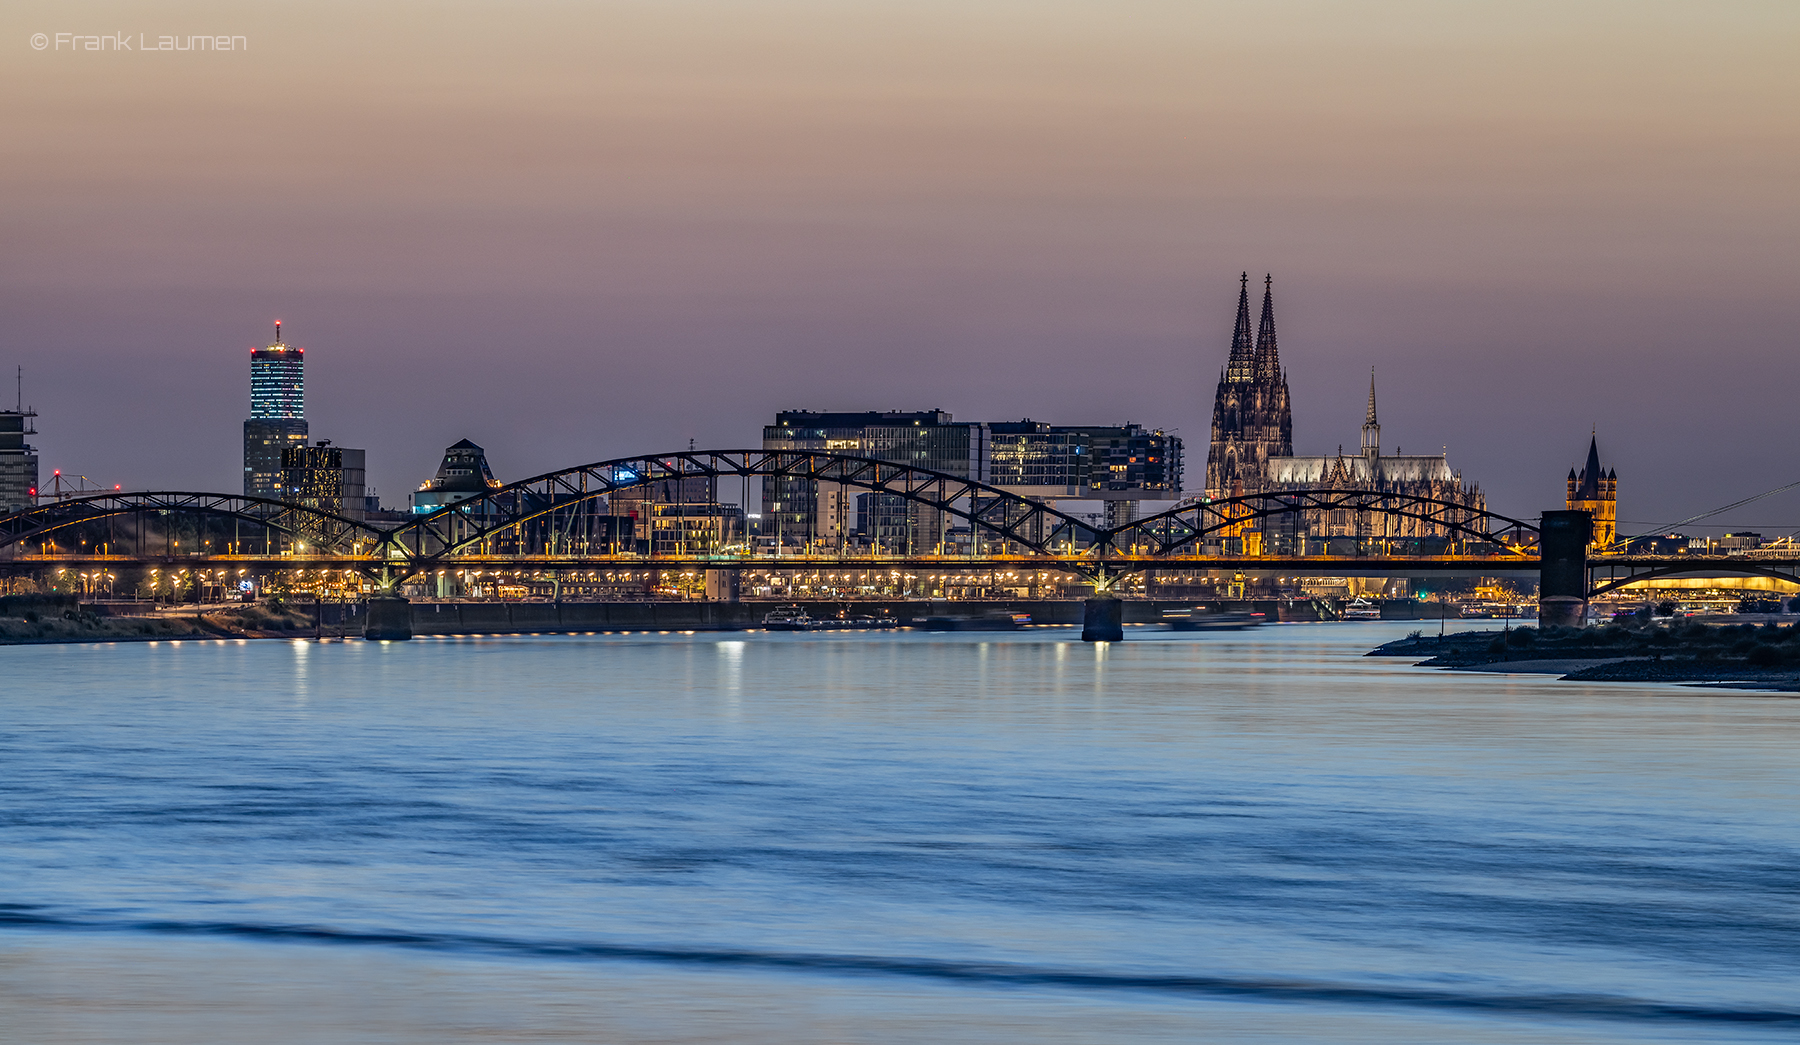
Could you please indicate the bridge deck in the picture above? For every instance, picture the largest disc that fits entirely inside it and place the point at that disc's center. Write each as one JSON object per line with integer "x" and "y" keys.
{"x": 1324, "y": 565}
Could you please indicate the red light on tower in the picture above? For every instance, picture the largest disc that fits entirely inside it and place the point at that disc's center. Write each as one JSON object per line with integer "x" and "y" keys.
{"x": 56, "y": 473}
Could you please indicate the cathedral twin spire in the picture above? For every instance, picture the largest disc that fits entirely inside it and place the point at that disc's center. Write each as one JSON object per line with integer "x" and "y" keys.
{"x": 1258, "y": 359}
{"x": 1251, "y": 418}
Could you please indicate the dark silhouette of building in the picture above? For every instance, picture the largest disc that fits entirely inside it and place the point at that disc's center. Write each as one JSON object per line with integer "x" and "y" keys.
{"x": 277, "y": 414}
{"x": 18, "y": 459}
{"x": 1252, "y": 421}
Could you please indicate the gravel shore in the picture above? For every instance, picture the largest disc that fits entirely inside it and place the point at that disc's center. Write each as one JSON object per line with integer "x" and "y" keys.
{"x": 1742, "y": 656}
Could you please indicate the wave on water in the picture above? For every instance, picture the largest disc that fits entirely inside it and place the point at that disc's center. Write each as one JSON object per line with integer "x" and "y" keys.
{"x": 1589, "y": 1006}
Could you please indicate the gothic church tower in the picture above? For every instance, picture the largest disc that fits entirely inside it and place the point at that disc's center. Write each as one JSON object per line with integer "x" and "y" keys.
{"x": 1596, "y": 490}
{"x": 1251, "y": 420}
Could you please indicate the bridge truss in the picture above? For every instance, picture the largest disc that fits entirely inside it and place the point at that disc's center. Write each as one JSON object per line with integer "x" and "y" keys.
{"x": 558, "y": 520}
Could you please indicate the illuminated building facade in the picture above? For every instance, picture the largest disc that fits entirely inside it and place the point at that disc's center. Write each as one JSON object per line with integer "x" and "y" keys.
{"x": 1118, "y": 464}
{"x": 277, "y": 421}
{"x": 325, "y": 477}
{"x": 1084, "y": 462}
{"x": 804, "y": 511}
{"x": 1414, "y": 475}
{"x": 1596, "y": 491}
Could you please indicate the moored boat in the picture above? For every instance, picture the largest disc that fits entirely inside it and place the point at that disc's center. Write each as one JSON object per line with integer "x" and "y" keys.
{"x": 789, "y": 618}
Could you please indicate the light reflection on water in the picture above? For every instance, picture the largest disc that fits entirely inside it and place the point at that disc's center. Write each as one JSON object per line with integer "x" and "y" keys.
{"x": 888, "y": 837}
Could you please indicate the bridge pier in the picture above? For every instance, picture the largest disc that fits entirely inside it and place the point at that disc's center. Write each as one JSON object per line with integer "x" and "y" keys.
{"x": 390, "y": 619}
{"x": 1103, "y": 620}
{"x": 1563, "y": 569}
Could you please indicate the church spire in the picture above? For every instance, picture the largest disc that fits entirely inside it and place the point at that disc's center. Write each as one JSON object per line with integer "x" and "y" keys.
{"x": 1268, "y": 358}
{"x": 1590, "y": 473}
{"x": 1242, "y": 367}
{"x": 1371, "y": 436}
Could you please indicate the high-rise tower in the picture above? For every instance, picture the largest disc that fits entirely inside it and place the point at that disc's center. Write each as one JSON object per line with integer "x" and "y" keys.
{"x": 1252, "y": 421}
{"x": 277, "y": 413}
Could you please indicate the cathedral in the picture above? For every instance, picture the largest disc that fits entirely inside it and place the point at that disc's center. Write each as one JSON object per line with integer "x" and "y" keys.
{"x": 1252, "y": 447}
{"x": 1251, "y": 420}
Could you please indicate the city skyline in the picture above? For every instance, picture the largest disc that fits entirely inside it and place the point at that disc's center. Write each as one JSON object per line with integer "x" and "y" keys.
{"x": 1534, "y": 222}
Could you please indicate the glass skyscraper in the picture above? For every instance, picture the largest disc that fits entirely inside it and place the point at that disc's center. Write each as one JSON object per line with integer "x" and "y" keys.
{"x": 277, "y": 414}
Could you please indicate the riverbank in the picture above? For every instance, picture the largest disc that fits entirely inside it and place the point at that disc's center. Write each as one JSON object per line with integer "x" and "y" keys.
{"x": 1744, "y": 656}
{"x": 36, "y": 627}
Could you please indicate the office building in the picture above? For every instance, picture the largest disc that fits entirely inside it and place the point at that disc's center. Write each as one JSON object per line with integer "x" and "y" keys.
{"x": 277, "y": 421}
{"x": 326, "y": 478}
{"x": 804, "y": 511}
{"x": 1084, "y": 462}
{"x": 18, "y": 460}
{"x": 1118, "y": 464}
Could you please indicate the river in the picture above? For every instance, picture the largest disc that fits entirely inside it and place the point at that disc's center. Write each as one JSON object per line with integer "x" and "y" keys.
{"x": 748, "y": 837}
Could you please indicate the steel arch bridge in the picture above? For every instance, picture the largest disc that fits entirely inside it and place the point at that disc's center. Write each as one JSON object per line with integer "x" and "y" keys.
{"x": 547, "y": 520}
{"x": 1625, "y": 570}
{"x": 1170, "y": 531}
{"x": 293, "y": 521}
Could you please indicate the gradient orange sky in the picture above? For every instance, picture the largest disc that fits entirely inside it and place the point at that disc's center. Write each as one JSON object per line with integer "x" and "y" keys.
{"x": 577, "y": 231}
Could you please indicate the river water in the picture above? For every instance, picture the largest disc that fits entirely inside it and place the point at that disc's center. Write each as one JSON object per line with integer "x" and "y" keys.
{"x": 748, "y": 837}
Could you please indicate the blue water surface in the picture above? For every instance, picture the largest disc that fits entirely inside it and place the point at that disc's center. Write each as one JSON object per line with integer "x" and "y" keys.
{"x": 1259, "y": 836}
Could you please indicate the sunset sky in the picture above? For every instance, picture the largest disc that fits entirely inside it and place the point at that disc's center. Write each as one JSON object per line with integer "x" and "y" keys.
{"x": 575, "y": 231}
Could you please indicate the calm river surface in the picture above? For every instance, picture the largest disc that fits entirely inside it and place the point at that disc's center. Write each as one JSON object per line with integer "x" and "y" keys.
{"x": 884, "y": 838}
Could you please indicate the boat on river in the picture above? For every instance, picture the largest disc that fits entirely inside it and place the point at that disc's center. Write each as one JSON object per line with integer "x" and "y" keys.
{"x": 790, "y": 618}
{"x": 988, "y": 622}
{"x": 1198, "y": 619}
{"x": 793, "y": 618}
{"x": 1361, "y": 609}
{"x": 861, "y": 622}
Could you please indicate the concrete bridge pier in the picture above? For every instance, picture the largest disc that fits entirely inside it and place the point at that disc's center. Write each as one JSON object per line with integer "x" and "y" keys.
{"x": 1103, "y": 620}
{"x": 390, "y": 619}
{"x": 1563, "y": 568}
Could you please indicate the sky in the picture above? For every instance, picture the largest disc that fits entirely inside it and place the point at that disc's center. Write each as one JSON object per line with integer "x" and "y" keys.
{"x": 578, "y": 231}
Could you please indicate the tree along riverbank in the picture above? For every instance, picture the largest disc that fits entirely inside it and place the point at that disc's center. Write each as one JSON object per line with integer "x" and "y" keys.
{"x": 1743, "y": 655}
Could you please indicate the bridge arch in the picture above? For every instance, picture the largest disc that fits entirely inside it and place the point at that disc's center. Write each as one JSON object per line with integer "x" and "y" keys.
{"x": 1789, "y": 573}
{"x": 1024, "y": 526}
{"x": 1031, "y": 525}
{"x": 1183, "y": 525}
{"x": 291, "y": 520}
